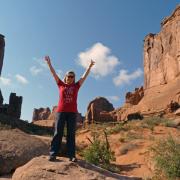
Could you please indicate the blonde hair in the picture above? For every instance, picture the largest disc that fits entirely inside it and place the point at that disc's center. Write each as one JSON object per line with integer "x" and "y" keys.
{"x": 67, "y": 73}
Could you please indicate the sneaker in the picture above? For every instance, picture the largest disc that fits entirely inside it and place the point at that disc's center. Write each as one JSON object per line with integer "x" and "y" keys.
{"x": 52, "y": 158}
{"x": 73, "y": 159}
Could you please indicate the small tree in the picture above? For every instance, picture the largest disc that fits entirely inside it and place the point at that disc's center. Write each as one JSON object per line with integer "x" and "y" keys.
{"x": 99, "y": 152}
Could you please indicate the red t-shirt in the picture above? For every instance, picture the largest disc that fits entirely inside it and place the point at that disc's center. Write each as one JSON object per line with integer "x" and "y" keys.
{"x": 68, "y": 97}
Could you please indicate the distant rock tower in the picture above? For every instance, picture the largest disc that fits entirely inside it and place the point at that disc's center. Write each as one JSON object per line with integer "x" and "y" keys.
{"x": 2, "y": 47}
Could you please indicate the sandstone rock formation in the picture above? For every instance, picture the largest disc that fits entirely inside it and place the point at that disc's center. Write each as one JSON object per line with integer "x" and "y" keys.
{"x": 17, "y": 148}
{"x": 52, "y": 116}
{"x": 41, "y": 168}
{"x": 46, "y": 117}
{"x": 1, "y": 98}
{"x": 2, "y": 47}
{"x": 162, "y": 52}
{"x": 95, "y": 107}
{"x": 135, "y": 97}
{"x": 161, "y": 73}
{"x": 14, "y": 107}
{"x": 41, "y": 114}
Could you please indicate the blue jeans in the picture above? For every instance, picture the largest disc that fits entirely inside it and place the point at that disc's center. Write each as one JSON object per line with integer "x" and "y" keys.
{"x": 70, "y": 119}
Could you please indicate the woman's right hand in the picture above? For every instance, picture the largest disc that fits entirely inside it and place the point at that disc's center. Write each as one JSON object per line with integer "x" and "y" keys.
{"x": 47, "y": 59}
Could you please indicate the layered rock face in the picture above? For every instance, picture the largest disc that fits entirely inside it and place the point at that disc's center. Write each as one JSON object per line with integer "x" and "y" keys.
{"x": 97, "y": 110}
{"x": 162, "y": 53}
{"x": 2, "y": 46}
{"x": 160, "y": 94}
{"x": 161, "y": 71}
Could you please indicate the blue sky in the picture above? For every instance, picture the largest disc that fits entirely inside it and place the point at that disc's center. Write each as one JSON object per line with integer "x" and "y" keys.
{"x": 72, "y": 32}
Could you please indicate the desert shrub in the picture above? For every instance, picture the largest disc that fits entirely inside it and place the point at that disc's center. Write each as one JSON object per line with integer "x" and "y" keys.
{"x": 166, "y": 154}
{"x": 118, "y": 128}
{"x": 132, "y": 136}
{"x": 99, "y": 153}
{"x": 151, "y": 122}
{"x": 170, "y": 123}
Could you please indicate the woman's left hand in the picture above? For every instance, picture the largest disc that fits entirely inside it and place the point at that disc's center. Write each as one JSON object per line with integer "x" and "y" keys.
{"x": 91, "y": 63}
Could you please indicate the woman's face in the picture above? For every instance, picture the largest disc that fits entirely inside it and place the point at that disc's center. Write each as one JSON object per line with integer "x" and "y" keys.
{"x": 70, "y": 78}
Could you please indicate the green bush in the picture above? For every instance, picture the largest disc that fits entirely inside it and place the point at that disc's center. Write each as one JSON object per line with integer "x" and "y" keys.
{"x": 99, "y": 153}
{"x": 151, "y": 122}
{"x": 166, "y": 154}
{"x": 117, "y": 128}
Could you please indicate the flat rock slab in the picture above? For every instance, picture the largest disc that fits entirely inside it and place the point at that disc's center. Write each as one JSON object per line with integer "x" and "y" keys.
{"x": 63, "y": 169}
{"x": 17, "y": 148}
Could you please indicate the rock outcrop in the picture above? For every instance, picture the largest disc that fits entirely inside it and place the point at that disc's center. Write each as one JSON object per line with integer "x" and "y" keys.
{"x": 46, "y": 117}
{"x": 135, "y": 97}
{"x": 96, "y": 110}
{"x": 52, "y": 116}
{"x": 17, "y": 148}
{"x": 12, "y": 109}
{"x": 1, "y": 98}
{"x": 41, "y": 168}
{"x": 161, "y": 74}
{"x": 162, "y": 53}
{"x": 2, "y": 47}
{"x": 41, "y": 114}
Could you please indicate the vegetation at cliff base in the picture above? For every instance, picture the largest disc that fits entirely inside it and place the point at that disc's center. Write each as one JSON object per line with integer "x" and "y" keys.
{"x": 166, "y": 153}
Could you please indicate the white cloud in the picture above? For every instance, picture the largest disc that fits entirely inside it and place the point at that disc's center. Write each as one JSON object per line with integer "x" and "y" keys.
{"x": 5, "y": 81}
{"x": 35, "y": 70}
{"x": 125, "y": 78}
{"x": 113, "y": 98}
{"x": 105, "y": 62}
{"x": 41, "y": 62}
{"x": 21, "y": 79}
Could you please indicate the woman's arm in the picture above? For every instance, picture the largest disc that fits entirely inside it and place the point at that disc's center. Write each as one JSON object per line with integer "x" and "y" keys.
{"x": 82, "y": 79}
{"x": 48, "y": 61}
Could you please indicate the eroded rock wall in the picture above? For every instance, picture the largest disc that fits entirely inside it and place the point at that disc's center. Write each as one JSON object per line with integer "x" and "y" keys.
{"x": 162, "y": 52}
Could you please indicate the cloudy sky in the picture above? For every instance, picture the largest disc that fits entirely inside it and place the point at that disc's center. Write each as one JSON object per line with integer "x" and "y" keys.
{"x": 111, "y": 32}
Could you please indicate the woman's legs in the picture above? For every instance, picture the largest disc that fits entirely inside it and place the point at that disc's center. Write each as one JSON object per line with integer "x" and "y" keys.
{"x": 71, "y": 128}
{"x": 58, "y": 134}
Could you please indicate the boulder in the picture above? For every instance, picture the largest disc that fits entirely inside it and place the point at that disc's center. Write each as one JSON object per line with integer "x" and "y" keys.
{"x": 41, "y": 168}
{"x": 17, "y": 148}
{"x": 96, "y": 106}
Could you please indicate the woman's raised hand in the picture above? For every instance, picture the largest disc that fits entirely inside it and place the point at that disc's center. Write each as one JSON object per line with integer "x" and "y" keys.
{"x": 47, "y": 59}
{"x": 91, "y": 63}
